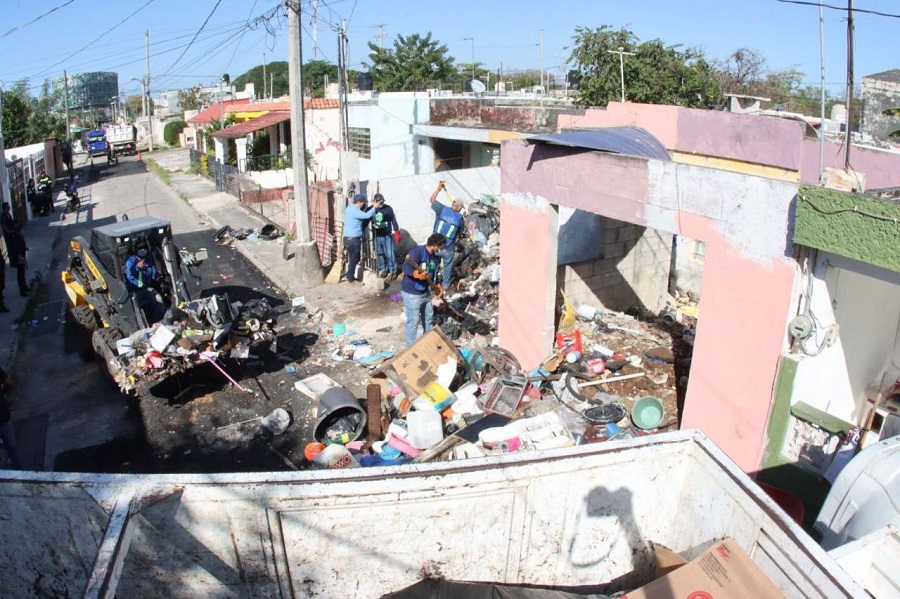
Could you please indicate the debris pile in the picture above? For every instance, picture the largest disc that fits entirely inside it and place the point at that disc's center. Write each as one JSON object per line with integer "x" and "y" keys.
{"x": 201, "y": 330}
{"x": 471, "y": 308}
{"x": 612, "y": 377}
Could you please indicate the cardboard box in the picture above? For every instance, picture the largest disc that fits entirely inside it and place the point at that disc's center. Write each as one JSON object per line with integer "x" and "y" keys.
{"x": 416, "y": 367}
{"x": 724, "y": 571}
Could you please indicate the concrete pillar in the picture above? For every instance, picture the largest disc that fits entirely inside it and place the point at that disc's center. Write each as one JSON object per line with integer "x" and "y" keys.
{"x": 273, "y": 138}
{"x": 528, "y": 269}
{"x": 221, "y": 150}
{"x": 282, "y": 146}
{"x": 241, "y": 144}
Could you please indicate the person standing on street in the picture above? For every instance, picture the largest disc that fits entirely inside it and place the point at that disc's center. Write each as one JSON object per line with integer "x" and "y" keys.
{"x": 448, "y": 221}
{"x": 355, "y": 217}
{"x": 7, "y": 433}
{"x": 387, "y": 234}
{"x": 419, "y": 271}
{"x": 20, "y": 248}
{"x": 3, "y": 307}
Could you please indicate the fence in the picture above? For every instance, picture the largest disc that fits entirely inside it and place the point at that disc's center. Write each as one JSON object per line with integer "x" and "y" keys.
{"x": 227, "y": 177}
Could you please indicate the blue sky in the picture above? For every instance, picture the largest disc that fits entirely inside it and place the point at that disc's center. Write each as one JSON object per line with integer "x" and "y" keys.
{"x": 503, "y": 30}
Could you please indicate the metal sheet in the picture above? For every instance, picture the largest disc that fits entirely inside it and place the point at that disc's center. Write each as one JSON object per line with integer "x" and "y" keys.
{"x": 631, "y": 141}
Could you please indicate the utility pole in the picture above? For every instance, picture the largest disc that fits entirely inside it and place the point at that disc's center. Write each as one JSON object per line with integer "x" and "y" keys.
{"x": 271, "y": 85}
{"x": 264, "y": 75}
{"x": 380, "y": 27}
{"x": 147, "y": 91}
{"x": 621, "y": 52}
{"x": 849, "y": 135}
{"x": 5, "y": 195}
{"x": 298, "y": 130}
{"x": 66, "y": 101}
{"x": 542, "y": 62}
{"x": 822, "y": 90}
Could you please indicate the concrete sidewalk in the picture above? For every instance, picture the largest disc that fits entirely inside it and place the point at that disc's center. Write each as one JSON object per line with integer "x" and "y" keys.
{"x": 337, "y": 302}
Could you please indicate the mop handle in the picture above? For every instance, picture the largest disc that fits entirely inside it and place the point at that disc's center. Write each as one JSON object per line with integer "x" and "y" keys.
{"x": 225, "y": 374}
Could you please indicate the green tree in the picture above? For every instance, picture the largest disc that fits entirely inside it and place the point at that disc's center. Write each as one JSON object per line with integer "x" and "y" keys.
{"x": 16, "y": 114}
{"x": 172, "y": 130}
{"x": 414, "y": 63}
{"x": 45, "y": 120}
{"x": 315, "y": 72}
{"x": 278, "y": 71}
{"x": 193, "y": 98}
{"x": 656, "y": 73}
{"x": 134, "y": 106}
{"x": 523, "y": 79}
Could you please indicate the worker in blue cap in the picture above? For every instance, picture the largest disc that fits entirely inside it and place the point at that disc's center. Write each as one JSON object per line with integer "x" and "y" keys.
{"x": 354, "y": 218}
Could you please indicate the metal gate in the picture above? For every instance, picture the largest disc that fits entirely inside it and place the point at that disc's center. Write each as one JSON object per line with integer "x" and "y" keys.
{"x": 227, "y": 179}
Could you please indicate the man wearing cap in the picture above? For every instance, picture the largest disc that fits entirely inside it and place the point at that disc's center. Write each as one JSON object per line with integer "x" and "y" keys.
{"x": 419, "y": 271}
{"x": 354, "y": 217}
{"x": 141, "y": 279}
{"x": 448, "y": 221}
{"x": 387, "y": 233}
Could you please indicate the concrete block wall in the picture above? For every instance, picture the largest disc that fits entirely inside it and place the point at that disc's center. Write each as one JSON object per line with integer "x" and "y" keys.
{"x": 634, "y": 270}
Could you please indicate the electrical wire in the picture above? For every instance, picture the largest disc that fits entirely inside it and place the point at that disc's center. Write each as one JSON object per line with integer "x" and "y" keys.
{"x": 208, "y": 17}
{"x": 108, "y": 31}
{"x": 36, "y": 19}
{"x": 854, "y": 210}
{"x": 843, "y": 8}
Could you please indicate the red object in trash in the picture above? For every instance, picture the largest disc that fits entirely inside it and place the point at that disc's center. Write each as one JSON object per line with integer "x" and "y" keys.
{"x": 789, "y": 502}
{"x": 569, "y": 341}
{"x": 597, "y": 366}
{"x": 312, "y": 450}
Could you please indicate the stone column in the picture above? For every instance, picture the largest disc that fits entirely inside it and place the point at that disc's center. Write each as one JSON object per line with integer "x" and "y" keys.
{"x": 221, "y": 149}
{"x": 241, "y": 144}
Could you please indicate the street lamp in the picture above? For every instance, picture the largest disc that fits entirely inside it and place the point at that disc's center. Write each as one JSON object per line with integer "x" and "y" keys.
{"x": 472, "y": 39}
{"x": 621, "y": 54}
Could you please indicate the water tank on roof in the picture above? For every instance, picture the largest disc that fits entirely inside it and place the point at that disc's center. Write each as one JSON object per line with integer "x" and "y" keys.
{"x": 839, "y": 112}
{"x": 364, "y": 82}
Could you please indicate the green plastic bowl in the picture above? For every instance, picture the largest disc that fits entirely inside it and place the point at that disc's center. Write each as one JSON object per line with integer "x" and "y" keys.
{"x": 647, "y": 413}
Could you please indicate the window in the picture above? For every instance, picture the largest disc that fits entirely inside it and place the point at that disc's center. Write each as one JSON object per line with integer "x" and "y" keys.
{"x": 360, "y": 141}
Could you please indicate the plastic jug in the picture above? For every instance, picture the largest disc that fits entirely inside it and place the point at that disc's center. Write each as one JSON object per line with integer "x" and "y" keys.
{"x": 335, "y": 456}
{"x": 426, "y": 428}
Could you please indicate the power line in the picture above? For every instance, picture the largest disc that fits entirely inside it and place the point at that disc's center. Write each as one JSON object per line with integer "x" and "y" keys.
{"x": 843, "y": 8}
{"x": 249, "y": 15}
{"x": 51, "y": 67}
{"x": 36, "y": 19}
{"x": 208, "y": 17}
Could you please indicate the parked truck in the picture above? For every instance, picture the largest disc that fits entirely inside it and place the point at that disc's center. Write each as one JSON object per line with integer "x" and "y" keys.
{"x": 97, "y": 145}
{"x": 122, "y": 140}
{"x": 572, "y": 517}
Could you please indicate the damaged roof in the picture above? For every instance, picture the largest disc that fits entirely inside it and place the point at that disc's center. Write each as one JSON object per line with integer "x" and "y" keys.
{"x": 631, "y": 141}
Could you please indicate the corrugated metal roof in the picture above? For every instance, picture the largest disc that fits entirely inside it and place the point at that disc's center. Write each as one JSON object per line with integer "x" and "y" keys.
{"x": 631, "y": 141}
{"x": 260, "y": 122}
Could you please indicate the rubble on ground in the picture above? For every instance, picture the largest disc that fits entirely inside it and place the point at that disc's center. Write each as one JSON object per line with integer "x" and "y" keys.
{"x": 199, "y": 331}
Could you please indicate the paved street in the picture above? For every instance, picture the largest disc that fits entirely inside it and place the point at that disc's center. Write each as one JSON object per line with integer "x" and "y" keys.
{"x": 69, "y": 420}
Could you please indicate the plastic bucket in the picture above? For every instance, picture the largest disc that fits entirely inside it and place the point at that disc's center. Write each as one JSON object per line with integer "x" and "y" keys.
{"x": 647, "y": 413}
{"x": 339, "y": 417}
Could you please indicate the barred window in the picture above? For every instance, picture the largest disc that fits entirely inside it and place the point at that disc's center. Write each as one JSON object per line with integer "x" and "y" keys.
{"x": 360, "y": 141}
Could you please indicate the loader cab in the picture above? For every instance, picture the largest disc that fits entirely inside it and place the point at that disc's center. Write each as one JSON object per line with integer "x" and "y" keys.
{"x": 113, "y": 244}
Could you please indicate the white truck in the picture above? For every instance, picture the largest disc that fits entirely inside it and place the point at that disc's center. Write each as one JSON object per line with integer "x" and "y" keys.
{"x": 122, "y": 140}
{"x": 583, "y": 515}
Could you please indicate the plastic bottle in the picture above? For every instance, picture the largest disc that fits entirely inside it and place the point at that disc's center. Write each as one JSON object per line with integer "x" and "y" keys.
{"x": 335, "y": 456}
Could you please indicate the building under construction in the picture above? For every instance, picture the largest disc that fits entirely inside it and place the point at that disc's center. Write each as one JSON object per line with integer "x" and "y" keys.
{"x": 91, "y": 90}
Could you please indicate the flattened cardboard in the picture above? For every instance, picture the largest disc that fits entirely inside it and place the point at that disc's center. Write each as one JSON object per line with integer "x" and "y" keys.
{"x": 724, "y": 571}
{"x": 416, "y": 367}
{"x": 666, "y": 560}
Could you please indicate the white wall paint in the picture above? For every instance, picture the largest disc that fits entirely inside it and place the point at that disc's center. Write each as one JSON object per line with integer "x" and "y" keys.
{"x": 865, "y": 302}
{"x": 409, "y": 195}
{"x": 396, "y": 147}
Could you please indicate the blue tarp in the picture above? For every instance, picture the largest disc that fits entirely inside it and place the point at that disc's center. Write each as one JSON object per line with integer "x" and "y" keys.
{"x": 632, "y": 141}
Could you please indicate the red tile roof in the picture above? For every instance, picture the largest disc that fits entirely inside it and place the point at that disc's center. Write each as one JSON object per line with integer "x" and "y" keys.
{"x": 260, "y": 122}
{"x": 213, "y": 113}
{"x": 230, "y": 106}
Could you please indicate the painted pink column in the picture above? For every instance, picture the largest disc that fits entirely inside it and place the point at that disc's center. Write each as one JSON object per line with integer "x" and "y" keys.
{"x": 528, "y": 277}
{"x": 740, "y": 337}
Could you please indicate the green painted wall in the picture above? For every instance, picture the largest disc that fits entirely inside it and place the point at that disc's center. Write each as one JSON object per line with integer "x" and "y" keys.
{"x": 849, "y": 225}
{"x": 780, "y": 418}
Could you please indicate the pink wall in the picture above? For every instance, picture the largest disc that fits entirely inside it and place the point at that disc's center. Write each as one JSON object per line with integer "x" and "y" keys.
{"x": 748, "y": 273}
{"x": 763, "y": 140}
{"x": 882, "y": 168}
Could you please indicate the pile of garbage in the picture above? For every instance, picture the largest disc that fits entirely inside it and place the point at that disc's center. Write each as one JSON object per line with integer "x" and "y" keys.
{"x": 199, "y": 331}
{"x": 470, "y": 308}
{"x": 438, "y": 401}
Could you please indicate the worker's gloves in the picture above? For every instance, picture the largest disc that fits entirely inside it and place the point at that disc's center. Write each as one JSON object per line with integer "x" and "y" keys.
{"x": 397, "y": 237}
